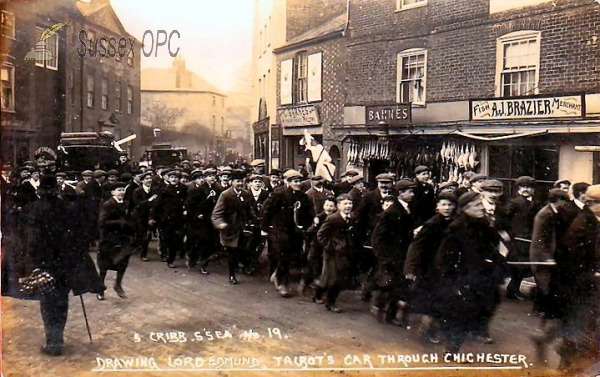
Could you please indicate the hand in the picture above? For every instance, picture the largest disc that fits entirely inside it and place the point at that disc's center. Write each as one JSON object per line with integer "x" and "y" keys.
{"x": 200, "y": 216}
{"x": 153, "y": 197}
{"x": 184, "y": 213}
{"x": 263, "y": 233}
{"x": 151, "y": 223}
{"x": 222, "y": 226}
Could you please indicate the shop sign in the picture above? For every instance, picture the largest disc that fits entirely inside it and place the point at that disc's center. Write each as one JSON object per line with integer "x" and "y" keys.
{"x": 572, "y": 106}
{"x": 299, "y": 116}
{"x": 261, "y": 126}
{"x": 396, "y": 114}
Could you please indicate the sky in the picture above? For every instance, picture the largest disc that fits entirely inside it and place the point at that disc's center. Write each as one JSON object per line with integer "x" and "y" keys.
{"x": 215, "y": 35}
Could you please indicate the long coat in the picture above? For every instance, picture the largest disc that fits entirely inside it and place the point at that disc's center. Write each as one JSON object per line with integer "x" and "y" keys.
{"x": 278, "y": 217}
{"x": 339, "y": 240}
{"x": 235, "y": 210}
{"x": 423, "y": 203}
{"x": 471, "y": 270}
{"x": 116, "y": 235}
{"x": 420, "y": 261}
{"x": 521, "y": 213}
{"x": 199, "y": 205}
{"x": 141, "y": 206}
{"x": 543, "y": 245}
{"x": 391, "y": 238}
{"x": 367, "y": 211}
{"x": 573, "y": 282}
{"x": 53, "y": 244}
{"x": 318, "y": 199}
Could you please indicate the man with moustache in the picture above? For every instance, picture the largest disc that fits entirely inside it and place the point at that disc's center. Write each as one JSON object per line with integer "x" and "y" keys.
{"x": 274, "y": 180}
{"x": 258, "y": 197}
{"x": 345, "y": 186}
{"x": 142, "y": 201}
{"x": 317, "y": 194}
{"x": 521, "y": 212}
{"x": 231, "y": 216}
{"x": 286, "y": 214}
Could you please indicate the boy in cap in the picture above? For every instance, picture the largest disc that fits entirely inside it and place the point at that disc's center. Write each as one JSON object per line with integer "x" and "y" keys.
{"x": 142, "y": 201}
{"x": 423, "y": 203}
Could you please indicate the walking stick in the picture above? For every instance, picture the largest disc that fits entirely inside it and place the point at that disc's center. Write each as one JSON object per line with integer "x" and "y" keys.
{"x": 87, "y": 325}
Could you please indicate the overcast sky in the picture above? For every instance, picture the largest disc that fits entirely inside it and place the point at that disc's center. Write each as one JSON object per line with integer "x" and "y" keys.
{"x": 216, "y": 35}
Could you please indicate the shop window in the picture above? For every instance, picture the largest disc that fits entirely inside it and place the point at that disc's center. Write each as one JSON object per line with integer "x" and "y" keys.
{"x": 517, "y": 65}
{"x": 508, "y": 163}
{"x": 8, "y": 85}
{"x": 8, "y": 24}
{"x": 301, "y": 79}
{"x": 408, "y": 4}
{"x": 104, "y": 94}
{"x": 412, "y": 68}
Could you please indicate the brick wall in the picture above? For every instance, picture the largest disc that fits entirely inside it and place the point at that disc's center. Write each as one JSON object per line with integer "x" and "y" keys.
{"x": 460, "y": 38}
{"x": 304, "y": 15}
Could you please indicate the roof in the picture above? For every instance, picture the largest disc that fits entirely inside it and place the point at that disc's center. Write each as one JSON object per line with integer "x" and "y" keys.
{"x": 164, "y": 79}
{"x": 335, "y": 25}
{"x": 102, "y": 14}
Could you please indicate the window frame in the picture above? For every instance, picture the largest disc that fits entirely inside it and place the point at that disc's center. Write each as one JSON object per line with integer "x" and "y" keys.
{"x": 11, "y": 81}
{"x": 299, "y": 58}
{"x": 118, "y": 96}
{"x": 104, "y": 98}
{"x": 46, "y": 63}
{"x": 4, "y": 14}
{"x": 399, "y": 80}
{"x": 400, "y": 6}
{"x": 90, "y": 94}
{"x": 501, "y": 42}
{"x": 129, "y": 99}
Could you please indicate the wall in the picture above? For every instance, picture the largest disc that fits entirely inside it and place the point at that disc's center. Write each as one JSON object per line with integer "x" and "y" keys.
{"x": 575, "y": 166}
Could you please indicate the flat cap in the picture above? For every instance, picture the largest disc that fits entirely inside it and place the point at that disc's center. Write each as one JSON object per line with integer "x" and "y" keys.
{"x": 257, "y": 162}
{"x": 197, "y": 173}
{"x": 384, "y": 177}
{"x": 421, "y": 169}
{"x": 125, "y": 177}
{"x": 118, "y": 184}
{"x": 467, "y": 198}
{"x": 146, "y": 173}
{"x": 256, "y": 177}
{"x": 114, "y": 172}
{"x": 350, "y": 172}
{"x": 561, "y": 181}
{"x": 291, "y": 174}
{"x": 356, "y": 179}
{"x": 210, "y": 171}
{"x": 593, "y": 192}
{"x": 88, "y": 173}
{"x": 447, "y": 196}
{"x": 61, "y": 174}
{"x": 28, "y": 168}
{"x": 492, "y": 185}
{"x": 98, "y": 173}
{"x": 477, "y": 177}
{"x": 405, "y": 184}
{"x": 451, "y": 184}
{"x": 525, "y": 181}
{"x": 317, "y": 178}
{"x": 174, "y": 172}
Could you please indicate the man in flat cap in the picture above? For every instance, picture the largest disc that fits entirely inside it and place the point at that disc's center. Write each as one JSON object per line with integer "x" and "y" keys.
{"x": 286, "y": 215}
{"x": 258, "y": 166}
{"x": 391, "y": 238}
{"x": 142, "y": 200}
{"x": 202, "y": 206}
{"x": 521, "y": 211}
{"x": 476, "y": 181}
{"x": 232, "y": 216}
{"x": 317, "y": 194}
{"x": 168, "y": 212}
{"x": 92, "y": 199}
{"x": 471, "y": 273}
{"x": 358, "y": 190}
{"x": 448, "y": 187}
{"x": 274, "y": 180}
{"x": 563, "y": 184}
{"x": 423, "y": 203}
{"x": 492, "y": 191}
{"x": 258, "y": 197}
{"x": 344, "y": 186}
{"x": 112, "y": 176}
{"x": 195, "y": 221}
{"x": 65, "y": 190}
{"x": 86, "y": 177}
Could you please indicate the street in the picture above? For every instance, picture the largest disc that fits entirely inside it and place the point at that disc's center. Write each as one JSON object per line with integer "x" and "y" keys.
{"x": 190, "y": 324}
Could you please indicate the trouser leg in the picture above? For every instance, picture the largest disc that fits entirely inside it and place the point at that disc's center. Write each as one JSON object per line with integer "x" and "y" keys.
{"x": 332, "y": 295}
{"x": 55, "y": 308}
{"x": 119, "y": 280}
{"x": 232, "y": 255}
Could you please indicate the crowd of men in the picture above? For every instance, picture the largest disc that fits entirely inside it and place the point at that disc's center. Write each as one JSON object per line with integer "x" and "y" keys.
{"x": 440, "y": 252}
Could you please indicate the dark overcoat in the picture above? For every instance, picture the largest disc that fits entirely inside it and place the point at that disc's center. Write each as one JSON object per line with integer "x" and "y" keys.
{"x": 117, "y": 233}
{"x": 278, "y": 217}
{"x": 543, "y": 245}
{"x": 53, "y": 244}
{"x": 318, "y": 199}
{"x": 521, "y": 213}
{"x": 471, "y": 270}
{"x": 422, "y": 206}
{"x": 235, "y": 210}
{"x": 391, "y": 238}
{"x": 141, "y": 207}
{"x": 339, "y": 240}
{"x": 200, "y": 203}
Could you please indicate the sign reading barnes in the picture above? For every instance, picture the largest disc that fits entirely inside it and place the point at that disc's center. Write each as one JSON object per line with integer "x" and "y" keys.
{"x": 396, "y": 114}
{"x": 299, "y": 116}
{"x": 528, "y": 108}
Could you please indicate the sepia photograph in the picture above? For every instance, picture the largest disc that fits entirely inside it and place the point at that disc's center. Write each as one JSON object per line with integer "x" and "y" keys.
{"x": 300, "y": 188}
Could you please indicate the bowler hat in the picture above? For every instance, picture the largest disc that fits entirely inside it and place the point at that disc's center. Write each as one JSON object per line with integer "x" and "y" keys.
{"x": 238, "y": 174}
{"x": 317, "y": 178}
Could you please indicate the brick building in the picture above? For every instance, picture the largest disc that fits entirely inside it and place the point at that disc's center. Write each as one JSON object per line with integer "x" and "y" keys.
{"x": 310, "y": 89}
{"x": 276, "y": 23}
{"x": 68, "y": 93}
{"x": 517, "y": 83}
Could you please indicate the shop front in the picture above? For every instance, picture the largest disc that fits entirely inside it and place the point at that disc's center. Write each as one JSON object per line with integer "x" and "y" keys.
{"x": 295, "y": 121}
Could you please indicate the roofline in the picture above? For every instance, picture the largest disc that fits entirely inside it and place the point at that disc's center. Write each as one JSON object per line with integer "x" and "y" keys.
{"x": 175, "y": 90}
{"x": 306, "y": 42}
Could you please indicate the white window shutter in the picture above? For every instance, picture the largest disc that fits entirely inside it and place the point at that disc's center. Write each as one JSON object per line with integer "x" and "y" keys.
{"x": 315, "y": 69}
{"x": 286, "y": 81}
